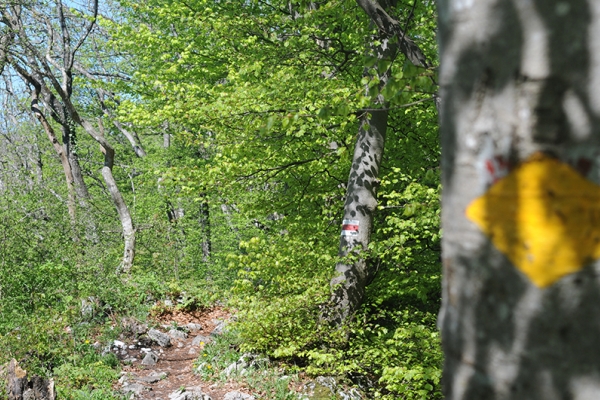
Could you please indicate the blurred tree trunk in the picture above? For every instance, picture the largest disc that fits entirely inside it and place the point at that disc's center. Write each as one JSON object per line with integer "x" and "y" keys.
{"x": 520, "y": 126}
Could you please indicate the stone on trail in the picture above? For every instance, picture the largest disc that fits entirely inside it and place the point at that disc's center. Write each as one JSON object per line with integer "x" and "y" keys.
{"x": 159, "y": 337}
{"x": 236, "y": 395}
{"x": 135, "y": 388}
{"x": 150, "y": 358}
{"x": 194, "y": 327}
{"x": 151, "y": 378}
{"x": 177, "y": 334}
{"x": 189, "y": 393}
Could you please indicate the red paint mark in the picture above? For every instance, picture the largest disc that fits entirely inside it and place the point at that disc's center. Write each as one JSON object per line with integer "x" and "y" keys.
{"x": 490, "y": 167}
{"x": 497, "y": 167}
{"x": 350, "y": 228}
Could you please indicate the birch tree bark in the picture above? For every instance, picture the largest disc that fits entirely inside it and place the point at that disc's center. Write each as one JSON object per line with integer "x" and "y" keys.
{"x": 520, "y": 125}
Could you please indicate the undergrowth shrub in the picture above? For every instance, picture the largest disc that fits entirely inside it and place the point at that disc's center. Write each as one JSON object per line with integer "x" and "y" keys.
{"x": 392, "y": 346}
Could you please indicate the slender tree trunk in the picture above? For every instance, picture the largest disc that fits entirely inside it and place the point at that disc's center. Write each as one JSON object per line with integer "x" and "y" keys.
{"x": 69, "y": 145}
{"x": 113, "y": 189}
{"x": 520, "y": 125}
{"x": 61, "y": 154}
{"x": 204, "y": 221}
{"x": 227, "y": 213}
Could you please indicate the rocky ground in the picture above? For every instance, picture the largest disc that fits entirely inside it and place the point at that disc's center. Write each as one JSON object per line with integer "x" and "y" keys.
{"x": 158, "y": 362}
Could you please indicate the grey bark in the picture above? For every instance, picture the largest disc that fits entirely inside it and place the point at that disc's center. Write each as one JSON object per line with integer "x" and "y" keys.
{"x": 61, "y": 154}
{"x": 517, "y": 78}
{"x": 41, "y": 94}
{"x": 361, "y": 202}
{"x": 390, "y": 27}
{"x": 352, "y": 273}
{"x": 50, "y": 75}
{"x": 20, "y": 387}
{"x": 204, "y": 221}
{"x": 116, "y": 196}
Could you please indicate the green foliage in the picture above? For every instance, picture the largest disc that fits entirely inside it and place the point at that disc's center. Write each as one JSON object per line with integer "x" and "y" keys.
{"x": 218, "y": 355}
{"x": 270, "y": 105}
{"x": 261, "y": 102}
{"x": 87, "y": 377}
{"x": 262, "y": 378}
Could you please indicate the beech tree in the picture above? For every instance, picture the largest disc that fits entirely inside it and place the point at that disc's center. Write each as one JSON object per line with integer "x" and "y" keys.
{"x": 42, "y": 47}
{"x": 354, "y": 272}
{"x": 520, "y": 126}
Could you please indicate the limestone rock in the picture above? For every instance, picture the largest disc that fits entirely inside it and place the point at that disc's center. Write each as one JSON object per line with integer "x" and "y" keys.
{"x": 151, "y": 378}
{"x": 159, "y": 337}
{"x": 189, "y": 393}
{"x": 219, "y": 328}
{"x": 201, "y": 339}
{"x": 135, "y": 388}
{"x": 150, "y": 358}
{"x": 177, "y": 334}
{"x": 246, "y": 361}
{"x": 236, "y": 395}
{"x": 194, "y": 327}
{"x": 133, "y": 326}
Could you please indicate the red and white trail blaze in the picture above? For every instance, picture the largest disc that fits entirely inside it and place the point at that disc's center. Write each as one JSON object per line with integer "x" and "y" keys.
{"x": 350, "y": 227}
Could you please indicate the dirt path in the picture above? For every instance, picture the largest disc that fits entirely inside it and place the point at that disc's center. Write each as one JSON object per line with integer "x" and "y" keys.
{"x": 173, "y": 370}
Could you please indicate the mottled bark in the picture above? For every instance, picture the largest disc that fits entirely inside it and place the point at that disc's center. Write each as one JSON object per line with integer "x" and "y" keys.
{"x": 361, "y": 200}
{"x": 519, "y": 80}
{"x": 390, "y": 27}
{"x": 20, "y": 387}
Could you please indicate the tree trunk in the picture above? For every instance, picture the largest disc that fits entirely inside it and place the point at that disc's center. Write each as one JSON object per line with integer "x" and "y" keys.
{"x": 361, "y": 200}
{"x": 361, "y": 203}
{"x": 22, "y": 388}
{"x": 520, "y": 126}
{"x": 61, "y": 154}
{"x": 113, "y": 189}
{"x": 352, "y": 272}
{"x": 204, "y": 221}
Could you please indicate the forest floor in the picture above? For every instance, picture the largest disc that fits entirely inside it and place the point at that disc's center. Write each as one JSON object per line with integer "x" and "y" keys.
{"x": 174, "y": 369}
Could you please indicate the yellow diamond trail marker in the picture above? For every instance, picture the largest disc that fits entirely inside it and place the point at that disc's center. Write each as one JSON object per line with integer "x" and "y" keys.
{"x": 544, "y": 216}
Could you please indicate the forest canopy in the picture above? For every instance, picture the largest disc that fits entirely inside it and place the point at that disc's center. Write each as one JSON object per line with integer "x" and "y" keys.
{"x": 278, "y": 157}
